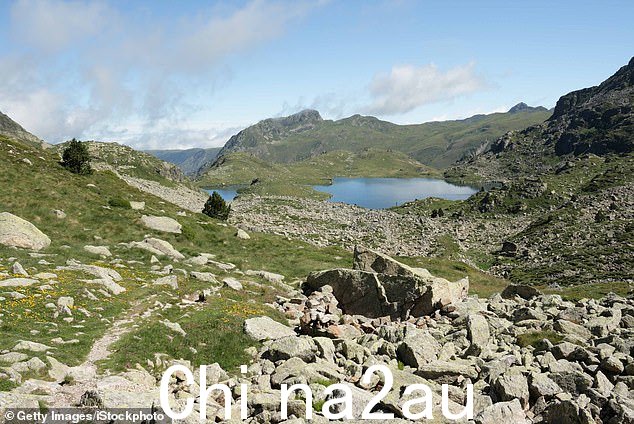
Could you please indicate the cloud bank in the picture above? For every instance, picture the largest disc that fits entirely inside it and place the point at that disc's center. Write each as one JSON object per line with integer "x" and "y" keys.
{"x": 87, "y": 69}
{"x": 407, "y": 87}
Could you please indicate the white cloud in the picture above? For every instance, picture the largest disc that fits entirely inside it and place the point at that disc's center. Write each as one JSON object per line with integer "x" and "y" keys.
{"x": 83, "y": 68}
{"x": 51, "y": 25}
{"x": 407, "y": 87}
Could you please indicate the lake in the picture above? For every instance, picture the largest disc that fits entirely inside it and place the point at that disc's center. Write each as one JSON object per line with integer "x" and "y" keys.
{"x": 381, "y": 193}
{"x": 228, "y": 193}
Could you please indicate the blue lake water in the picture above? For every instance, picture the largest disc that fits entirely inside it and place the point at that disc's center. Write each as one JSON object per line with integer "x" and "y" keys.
{"x": 228, "y": 193}
{"x": 381, "y": 193}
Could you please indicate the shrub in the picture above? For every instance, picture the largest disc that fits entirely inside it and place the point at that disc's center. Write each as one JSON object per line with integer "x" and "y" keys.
{"x": 76, "y": 158}
{"x": 216, "y": 207}
{"x": 117, "y": 202}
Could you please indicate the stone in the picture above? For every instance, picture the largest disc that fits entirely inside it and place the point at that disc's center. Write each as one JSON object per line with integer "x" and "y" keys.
{"x": 207, "y": 277}
{"x": 268, "y": 276}
{"x": 447, "y": 372}
{"x": 418, "y": 348}
{"x": 369, "y": 260}
{"x": 541, "y": 385}
{"x": 198, "y": 260}
{"x": 12, "y": 357}
{"x": 98, "y": 250}
{"x": 612, "y": 365}
{"x": 478, "y": 334}
{"x": 570, "y": 328}
{"x": 292, "y": 347}
{"x": 502, "y": 413}
{"x": 137, "y": 206}
{"x": 17, "y": 282}
{"x": 158, "y": 247}
{"x": 161, "y": 223}
{"x": 175, "y": 327}
{"x": 17, "y": 269}
{"x": 242, "y": 235}
{"x": 168, "y": 280}
{"x": 31, "y": 346}
{"x": 65, "y": 302}
{"x": 397, "y": 290}
{"x": 17, "y": 232}
{"x": 232, "y": 283}
{"x": 59, "y": 214}
{"x": 510, "y": 385}
{"x": 521, "y": 290}
{"x": 265, "y": 328}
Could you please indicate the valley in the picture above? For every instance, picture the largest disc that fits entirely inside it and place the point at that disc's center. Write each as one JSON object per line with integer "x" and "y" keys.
{"x": 524, "y": 289}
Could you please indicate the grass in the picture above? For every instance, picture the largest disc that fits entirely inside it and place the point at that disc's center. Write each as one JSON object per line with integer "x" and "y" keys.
{"x": 214, "y": 334}
{"x": 535, "y": 338}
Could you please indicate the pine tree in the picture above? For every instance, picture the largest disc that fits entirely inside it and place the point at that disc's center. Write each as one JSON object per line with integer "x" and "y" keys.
{"x": 76, "y": 158}
{"x": 216, "y": 207}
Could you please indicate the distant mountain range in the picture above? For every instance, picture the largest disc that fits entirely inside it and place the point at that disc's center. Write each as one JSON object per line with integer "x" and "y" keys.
{"x": 437, "y": 144}
{"x": 189, "y": 160}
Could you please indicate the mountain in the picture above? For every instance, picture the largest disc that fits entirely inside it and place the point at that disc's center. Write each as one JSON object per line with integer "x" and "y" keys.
{"x": 11, "y": 129}
{"x": 563, "y": 198}
{"x": 189, "y": 160}
{"x": 597, "y": 120}
{"x": 523, "y": 107}
{"x": 437, "y": 144}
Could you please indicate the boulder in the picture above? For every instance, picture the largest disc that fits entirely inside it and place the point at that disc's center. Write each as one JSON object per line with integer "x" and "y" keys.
{"x": 381, "y": 286}
{"x": 98, "y": 250}
{"x": 207, "y": 277}
{"x": 478, "y": 334}
{"x": 510, "y": 385}
{"x": 418, "y": 348}
{"x": 265, "y": 328}
{"x": 242, "y": 235}
{"x": 137, "y": 206}
{"x": 503, "y": 412}
{"x": 17, "y": 282}
{"x": 232, "y": 283}
{"x": 521, "y": 290}
{"x": 158, "y": 247}
{"x": 161, "y": 223}
{"x": 16, "y": 232}
{"x": 286, "y": 348}
{"x": 168, "y": 280}
{"x": 18, "y": 269}
{"x": 372, "y": 261}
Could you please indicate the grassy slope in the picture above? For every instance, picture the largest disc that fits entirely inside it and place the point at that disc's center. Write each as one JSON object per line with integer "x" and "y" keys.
{"x": 295, "y": 179}
{"x": 436, "y": 144}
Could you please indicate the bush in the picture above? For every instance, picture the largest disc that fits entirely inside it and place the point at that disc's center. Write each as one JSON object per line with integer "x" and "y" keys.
{"x": 216, "y": 207}
{"x": 117, "y": 202}
{"x": 76, "y": 158}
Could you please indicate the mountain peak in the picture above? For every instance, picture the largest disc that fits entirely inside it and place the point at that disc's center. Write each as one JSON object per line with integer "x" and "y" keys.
{"x": 306, "y": 116}
{"x": 523, "y": 107}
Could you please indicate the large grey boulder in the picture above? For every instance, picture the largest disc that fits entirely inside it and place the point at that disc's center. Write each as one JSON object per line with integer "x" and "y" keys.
{"x": 510, "y": 385}
{"x": 158, "y": 247}
{"x": 161, "y": 223}
{"x": 17, "y": 232}
{"x": 418, "y": 348}
{"x": 381, "y": 286}
{"x": 265, "y": 328}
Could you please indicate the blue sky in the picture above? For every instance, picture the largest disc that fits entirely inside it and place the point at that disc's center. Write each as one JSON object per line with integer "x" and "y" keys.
{"x": 168, "y": 74}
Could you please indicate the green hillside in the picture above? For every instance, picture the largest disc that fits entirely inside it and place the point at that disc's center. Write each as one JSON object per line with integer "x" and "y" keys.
{"x": 436, "y": 144}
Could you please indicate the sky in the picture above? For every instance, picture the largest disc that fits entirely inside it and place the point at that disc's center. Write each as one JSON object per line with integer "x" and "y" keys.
{"x": 164, "y": 74}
